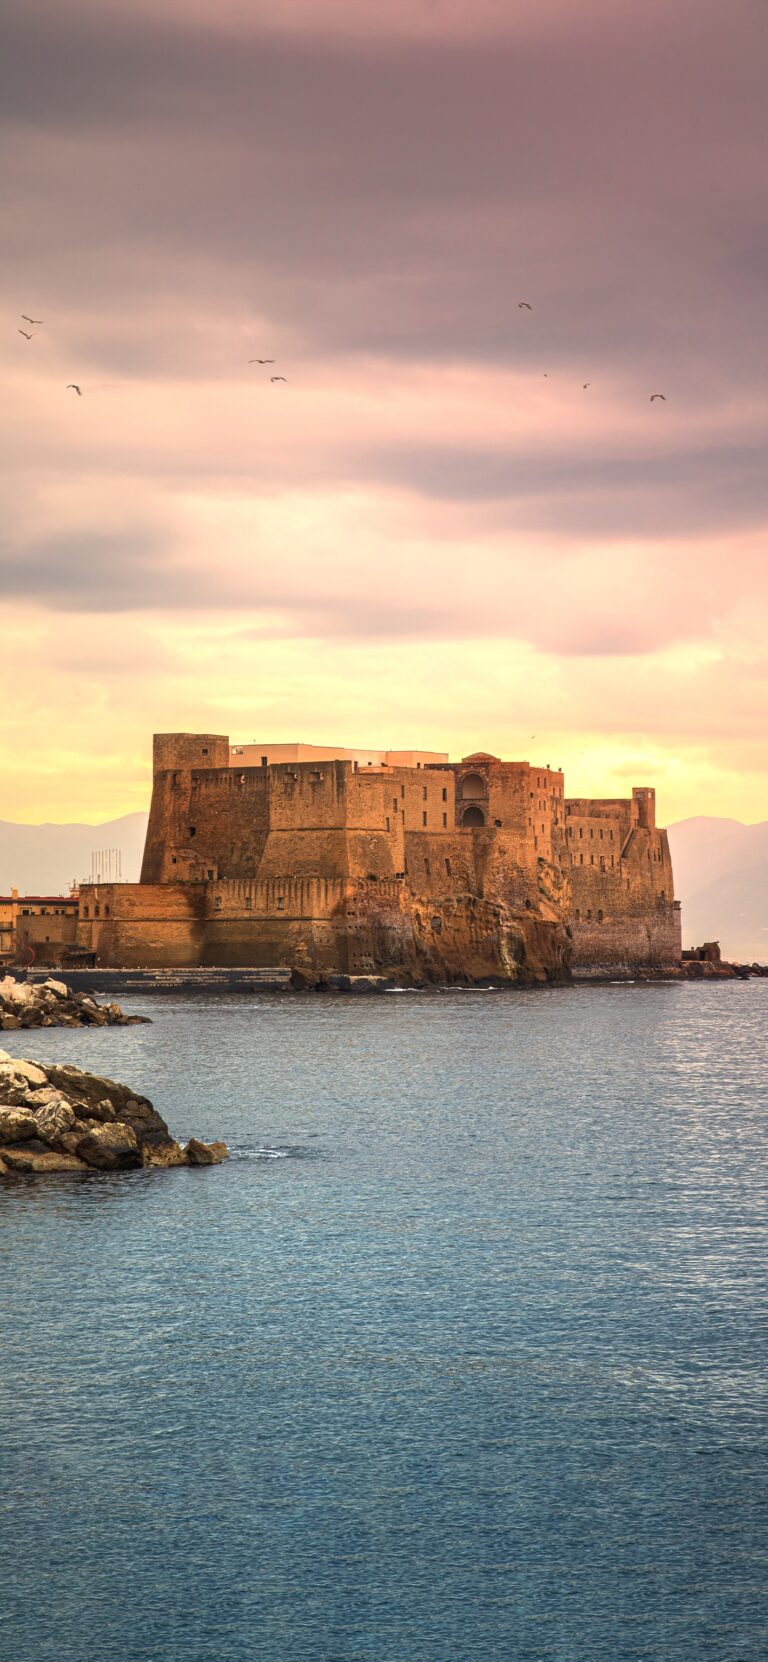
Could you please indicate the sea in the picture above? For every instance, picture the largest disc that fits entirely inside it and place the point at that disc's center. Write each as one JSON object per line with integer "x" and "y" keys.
{"x": 462, "y": 1356}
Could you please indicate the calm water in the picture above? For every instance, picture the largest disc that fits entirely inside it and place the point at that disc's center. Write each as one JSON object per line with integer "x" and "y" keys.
{"x": 461, "y": 1358}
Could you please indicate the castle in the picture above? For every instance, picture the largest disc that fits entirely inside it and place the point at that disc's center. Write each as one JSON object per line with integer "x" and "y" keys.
{"x": 393, "y": 863}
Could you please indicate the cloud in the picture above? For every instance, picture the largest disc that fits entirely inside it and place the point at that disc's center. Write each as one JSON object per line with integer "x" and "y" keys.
{"x": 366, "y": 192}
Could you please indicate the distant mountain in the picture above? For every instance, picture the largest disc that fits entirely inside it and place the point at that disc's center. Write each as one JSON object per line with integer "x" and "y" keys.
{"x": 45, "y": 859}
{"x": 721, "y": 878}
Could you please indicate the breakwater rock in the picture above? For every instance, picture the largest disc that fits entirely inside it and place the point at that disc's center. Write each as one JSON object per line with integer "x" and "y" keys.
{"x": 53, "y": 1004}
{"x": 56, "y": 1118}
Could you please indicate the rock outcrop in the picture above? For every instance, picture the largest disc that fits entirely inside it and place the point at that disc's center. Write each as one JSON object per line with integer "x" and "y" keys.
{"x": 56, "y": 1118}
{"x": 53, "y": 1004}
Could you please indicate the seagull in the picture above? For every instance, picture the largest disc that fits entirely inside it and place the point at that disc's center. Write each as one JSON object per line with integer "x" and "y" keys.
{"x": 31, "y": 319}
{"x": 524, "y": 303}
{"x": 585, "y": 384}
{"x": 277, "y": 377}
{"x": 659, "y": 395}
{"x": 26, "y": 336}
{"x": 261, "y": 360}
{"x": 75, "y": 388}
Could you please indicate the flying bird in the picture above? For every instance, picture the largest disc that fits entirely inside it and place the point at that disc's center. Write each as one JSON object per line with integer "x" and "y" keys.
{"x": 261, "y": 360}
{"x": 585, "y": 384}
{"x": 75, "y": 388}
{"x": 277, "y": 377}
{"x": 26, "y": 336}
{"x": 659, "y": 395}
{"x": 524, "y": 303}
{"x": 31, "y": 319}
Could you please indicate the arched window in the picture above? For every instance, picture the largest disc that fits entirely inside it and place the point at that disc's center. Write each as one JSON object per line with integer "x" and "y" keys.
{"x": 472, "y": 818}
{"x": 472, "y": 787}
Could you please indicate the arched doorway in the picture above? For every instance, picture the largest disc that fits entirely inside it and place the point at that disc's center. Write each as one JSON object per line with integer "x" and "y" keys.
{"x": 472, "y": 817}
{"x": 472, "y": 787}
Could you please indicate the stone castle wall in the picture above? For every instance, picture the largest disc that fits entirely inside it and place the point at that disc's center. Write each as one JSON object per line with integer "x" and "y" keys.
{"x": 480, "y": 868}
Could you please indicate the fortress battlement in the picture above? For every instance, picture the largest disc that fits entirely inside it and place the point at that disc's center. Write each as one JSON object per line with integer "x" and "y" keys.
{"x": 256, "y": 856}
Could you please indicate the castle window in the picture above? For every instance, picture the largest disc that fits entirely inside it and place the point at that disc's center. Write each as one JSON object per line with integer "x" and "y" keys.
{"x": 387, "y": 821}
{"x": 281, "y": 903}
{"x": 394, "y": 804}
{"x": 423, "y": 793}
{"x": 402, "y": 790}
{"x": 591, "y": 831}
{"x": 315, "y": 776}
{"x": 424, "y": 817}
{"x": 193, "y": 830}
{"x": 589, "y": 917}
{"x": 611, "y": 860}
{"x": 427, "y": 869}
{"x": 581, "y": 859}
{"x": 599, "y": 917}
{"x": 447, "y": 868}
{"x": 601, "y": 836}
{"x": 445, "y": 793}
{"x": 85, "y": 912}
{"x": 248, "y": 903}
{"x": 591, "y": 859}
{"x": 577, "y": 914}
{"x": 210, "y": 875}
{"x": 205, "y": 750}
{"x": 97, "y": 911}
{"x": 663, "y": 896}
{"x": 106, "y": 910}
{"x": 264, "y": 761}
{"x": 218, "y": 902}
{"x": 173, "y": 859}
{"x": 445, "y": 822}
{"x": 610, "y": 833}
{"x": 581, "y": 830}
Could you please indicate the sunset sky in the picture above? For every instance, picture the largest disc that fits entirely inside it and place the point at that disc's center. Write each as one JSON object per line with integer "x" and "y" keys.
{"x": 431, "y": 534}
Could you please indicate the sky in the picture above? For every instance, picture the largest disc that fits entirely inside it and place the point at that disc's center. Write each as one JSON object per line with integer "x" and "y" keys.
{"x": 431, "y": 533}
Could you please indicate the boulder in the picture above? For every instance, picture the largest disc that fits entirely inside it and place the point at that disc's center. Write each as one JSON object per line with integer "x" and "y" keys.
{"x": 199, "y": 1154}
{"x": 28, "y": 1070}
{"x": 101, "y": 1112}
{"x": 110, "y": 1147}
{"x": 58, "y": 988}
{"x": 53, "y": 1119}
{"x": 164, "y": 1155}
{"x": 15, "y": 992}
{"x": 39, "y": 1096}
{"x": 17, "y": 1125}
{"x": 29, "y": 1159}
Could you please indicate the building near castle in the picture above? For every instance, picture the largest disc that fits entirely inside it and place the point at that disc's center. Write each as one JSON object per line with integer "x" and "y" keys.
{"x": 37, "y": 928}
{"x": 395, "y": 863}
